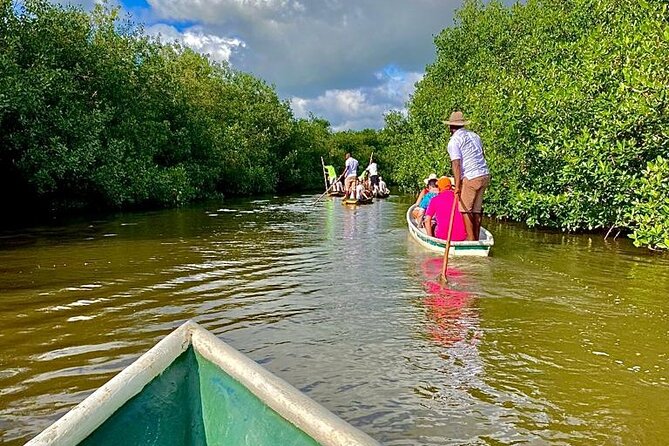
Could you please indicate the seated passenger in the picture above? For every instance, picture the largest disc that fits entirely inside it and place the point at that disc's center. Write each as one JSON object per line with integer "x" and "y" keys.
{"x": 419, "y": 210}
{"x": 341, "y": 187}
{"x": 359, "y": 188}
{"x": 367, "y": 184}
{"x": 383, "y": 189}
{"x": 361, "y": 193}
{"x": 353, "y": 195}
{"x": 440, "y": 210}
{"x": 430, "y": 178}
{"x": 338, "y": 186}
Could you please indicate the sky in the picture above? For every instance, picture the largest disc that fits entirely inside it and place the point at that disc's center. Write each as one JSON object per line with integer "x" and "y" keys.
{"x": 347, "y": 61}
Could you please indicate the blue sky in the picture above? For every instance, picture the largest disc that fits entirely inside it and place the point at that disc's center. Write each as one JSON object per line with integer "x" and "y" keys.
{"x": 348, "y": 61}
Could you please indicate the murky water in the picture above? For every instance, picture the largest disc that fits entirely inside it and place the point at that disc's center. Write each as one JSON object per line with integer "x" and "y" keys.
{"x": 553, "y": 340}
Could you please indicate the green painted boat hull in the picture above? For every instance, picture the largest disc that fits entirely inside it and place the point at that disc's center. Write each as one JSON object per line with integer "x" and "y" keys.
{"x": 193, "y": 402}
{"x": 193, "y": 389}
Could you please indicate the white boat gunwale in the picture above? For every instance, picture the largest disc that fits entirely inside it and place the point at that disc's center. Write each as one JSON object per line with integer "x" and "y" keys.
{"x": 479, "y": 247}
{"x": 303, "y": 412}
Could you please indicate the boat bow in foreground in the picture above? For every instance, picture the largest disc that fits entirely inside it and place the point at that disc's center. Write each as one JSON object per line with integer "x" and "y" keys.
{"x": 192, "y": 388}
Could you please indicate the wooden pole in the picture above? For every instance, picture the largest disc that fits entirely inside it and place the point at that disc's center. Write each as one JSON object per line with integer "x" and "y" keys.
{"x": 327, "y": 190}
{"x": 325, "y": 177}
{"x": 448, "y": 241}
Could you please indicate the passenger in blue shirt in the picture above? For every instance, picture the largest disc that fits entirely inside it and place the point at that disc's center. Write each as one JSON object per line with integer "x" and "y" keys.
{"x": 425, "y": 202}
{"x": 419, "y": 211}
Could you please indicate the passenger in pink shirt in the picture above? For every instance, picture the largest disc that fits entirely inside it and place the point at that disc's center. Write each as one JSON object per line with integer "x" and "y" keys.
{"x": 440, "y": 210}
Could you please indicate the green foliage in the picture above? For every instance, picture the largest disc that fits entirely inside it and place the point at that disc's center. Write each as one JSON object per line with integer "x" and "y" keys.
{"x": 570, "y": 98}
{"x": 361, "y": 144}
{"x": 650, "y": 210}
{"x": 298, "y": 166}
{"x": 410, "y": 155}
{"x": 92, "y": 113}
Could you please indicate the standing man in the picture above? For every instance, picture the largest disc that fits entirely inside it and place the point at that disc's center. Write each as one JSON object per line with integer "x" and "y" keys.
{"x": 470, "y": 171}
{"x": 350, "y": 174}
{"x": 373, "y": 175}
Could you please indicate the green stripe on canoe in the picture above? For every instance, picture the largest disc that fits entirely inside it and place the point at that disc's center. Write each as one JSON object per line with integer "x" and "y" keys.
{"x": 456, "y": 247}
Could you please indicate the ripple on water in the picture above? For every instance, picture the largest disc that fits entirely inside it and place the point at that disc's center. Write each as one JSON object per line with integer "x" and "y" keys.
{"x": 553, "y": 340}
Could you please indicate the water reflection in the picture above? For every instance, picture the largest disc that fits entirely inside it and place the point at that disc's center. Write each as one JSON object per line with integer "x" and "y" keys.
{"x": 449, "y": 321}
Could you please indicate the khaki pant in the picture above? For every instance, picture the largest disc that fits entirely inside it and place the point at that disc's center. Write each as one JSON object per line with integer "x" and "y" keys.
{"x": 471, "y": 195}
{"x": 349, "y": 182}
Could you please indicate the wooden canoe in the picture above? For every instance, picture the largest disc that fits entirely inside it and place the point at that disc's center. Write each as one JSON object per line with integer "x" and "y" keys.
{"x": 480, "y": 247}
{"x": 192, "y": 388}
{"x": 354, "y": 202}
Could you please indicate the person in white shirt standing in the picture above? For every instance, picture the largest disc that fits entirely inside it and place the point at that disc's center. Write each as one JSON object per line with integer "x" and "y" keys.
{"x": 373, "y": 175}
{"x": 470, "y": 171}
{"x": 350, "y": 174}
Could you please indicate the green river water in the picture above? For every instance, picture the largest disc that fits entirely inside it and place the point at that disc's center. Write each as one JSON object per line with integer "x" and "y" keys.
{"x": 554, "y": 339}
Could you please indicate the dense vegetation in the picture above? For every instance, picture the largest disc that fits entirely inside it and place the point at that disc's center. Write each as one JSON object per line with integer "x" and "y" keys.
{"x": 570, "y": 98}
{"x": 94, "y": 114}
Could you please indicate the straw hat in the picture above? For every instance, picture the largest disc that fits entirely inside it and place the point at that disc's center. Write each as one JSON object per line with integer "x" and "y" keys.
{"x": 457, "y": 119}
{"x": 432, "y": 176}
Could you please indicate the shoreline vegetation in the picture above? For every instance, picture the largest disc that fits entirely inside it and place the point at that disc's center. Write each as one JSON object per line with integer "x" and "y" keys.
{"x": 94, "y": 115}
{"x": 570, "y": 98}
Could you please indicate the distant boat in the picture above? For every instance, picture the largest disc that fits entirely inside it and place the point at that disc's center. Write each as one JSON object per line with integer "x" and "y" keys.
{"x": 192, "y": 388}
{"x": 380, "y": 195}
{"x": 353, "y": 201}
{"x": 479, "y": 247}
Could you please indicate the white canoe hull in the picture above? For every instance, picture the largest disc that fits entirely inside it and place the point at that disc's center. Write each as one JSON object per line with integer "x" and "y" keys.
{"x": 278, "y": 400}
{"x": 480, "y": 248}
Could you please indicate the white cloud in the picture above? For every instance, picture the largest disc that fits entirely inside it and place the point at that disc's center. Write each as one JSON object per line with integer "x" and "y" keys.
{"x": 325, "y": 54}
{"x": 305, "y": 47}
{"x": 363, "y": 107}
{"x": 218, "y": 48}
{"x": 217, "y": 12}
